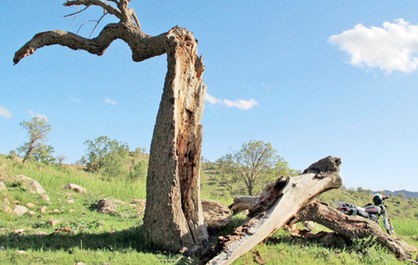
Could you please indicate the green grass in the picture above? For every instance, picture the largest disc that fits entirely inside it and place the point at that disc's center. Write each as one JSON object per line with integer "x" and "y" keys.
{"x": 96, "y": 238}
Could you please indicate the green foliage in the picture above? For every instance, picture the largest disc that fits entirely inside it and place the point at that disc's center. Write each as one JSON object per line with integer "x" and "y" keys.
{"x": 119, "y": 239}
{"x": 251, "y": 168}
{"x": 35, "y": 148}
{"x": 112, "y": 159}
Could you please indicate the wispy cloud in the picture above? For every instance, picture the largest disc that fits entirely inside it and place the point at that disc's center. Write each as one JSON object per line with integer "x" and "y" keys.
{"x": 5, "y": 112}
{"x": 75, "y": 100}
{"x": 392, "y": 47}
{"x": 111, "y": 101}
{"x": 38, "y": 115}
{"x": 241, "y": 104}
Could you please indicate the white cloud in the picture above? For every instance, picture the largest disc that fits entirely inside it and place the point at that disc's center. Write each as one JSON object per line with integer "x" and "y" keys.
{"x": 212, "y": 99}
{"x": 241, "y": 104}
{"x": 111, "y": 101}
{"x": 393, "y": 47}
{"x": 5, "y": 112}
{"x": 38, "y": 115}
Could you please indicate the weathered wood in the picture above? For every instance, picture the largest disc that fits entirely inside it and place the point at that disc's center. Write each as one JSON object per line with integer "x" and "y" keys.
{"x": 353, "y": 227}
{"x": 173, "y": 213}
{"x": 173, "y": 217}
{"x": 242, "y": 203}
{"x": 216, "y": 214}
{"x": 279, "y": 202}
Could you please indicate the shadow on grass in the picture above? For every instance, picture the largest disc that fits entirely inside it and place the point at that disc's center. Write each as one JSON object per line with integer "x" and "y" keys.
{"x": 132, "y": 238}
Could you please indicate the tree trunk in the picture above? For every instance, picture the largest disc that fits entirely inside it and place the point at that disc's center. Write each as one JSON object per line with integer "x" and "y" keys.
{"x": 242, "y": 203}
{"x": 353, "y": 227}
{"x": 173, "y": 215}
{"x": 279, "y": 202}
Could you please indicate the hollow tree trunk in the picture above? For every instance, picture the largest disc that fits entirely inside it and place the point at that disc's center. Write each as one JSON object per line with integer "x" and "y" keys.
{"x": 173, "y": 215}
{"x": 279, "y": 202}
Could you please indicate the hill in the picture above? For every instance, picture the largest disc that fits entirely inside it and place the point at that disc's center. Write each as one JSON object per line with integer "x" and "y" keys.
{"x": 67, "y": 230}
{"x": 407, "y": 194}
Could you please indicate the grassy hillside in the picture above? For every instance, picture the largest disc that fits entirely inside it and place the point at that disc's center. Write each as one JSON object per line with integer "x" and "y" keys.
{"x": 74, "y": 233}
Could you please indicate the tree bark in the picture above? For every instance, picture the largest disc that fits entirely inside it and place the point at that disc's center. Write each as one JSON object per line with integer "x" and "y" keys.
{"x": 279, "y": 202}
{"x": 353, "y": 227}
{"x": 242, "y": 203}
{"x": 173, "y": 216}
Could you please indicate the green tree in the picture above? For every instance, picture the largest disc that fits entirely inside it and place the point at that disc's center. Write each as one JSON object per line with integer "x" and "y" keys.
{"x": 36, "y": 148}
{"x": 107, "y": 157}
{"x": 253, "y": 166}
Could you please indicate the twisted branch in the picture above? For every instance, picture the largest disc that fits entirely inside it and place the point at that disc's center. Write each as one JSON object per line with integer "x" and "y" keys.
{"x": 142, "y": 45}
{"x": 106, "y": 6}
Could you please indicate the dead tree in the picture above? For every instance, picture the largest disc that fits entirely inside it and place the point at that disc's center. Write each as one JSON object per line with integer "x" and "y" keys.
{"x": 173, "y": 216}
{"x": 352, "y": 227}
{"x": 279, "y": 202}
{"x": 349, "y": 227}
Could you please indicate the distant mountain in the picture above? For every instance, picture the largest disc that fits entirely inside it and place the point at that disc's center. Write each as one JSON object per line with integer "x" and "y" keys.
{"x": 405, "y": 192}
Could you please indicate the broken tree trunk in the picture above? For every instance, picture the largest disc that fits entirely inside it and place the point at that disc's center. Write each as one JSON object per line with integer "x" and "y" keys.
{"x": 278, "y": 203}
{"x": 173, "y": 213}
{"x": 353, "y": 227}
{"x": 173, "y": 216}
{"x": 242, "y": 203}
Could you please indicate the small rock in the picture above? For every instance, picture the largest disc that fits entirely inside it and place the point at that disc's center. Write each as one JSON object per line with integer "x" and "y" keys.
{"x": 75, "y": 188}
{"x": 30, "y": 205}
{"x": 34, "y": 186}
{"x": 19, "y": 231}
{"x": 53, "y": 222}
{"x": 138, "y": 201}
{"x": 70, "y": 201}
{"x": 5, "y": 200}
{"x": 309, "y": 225}
{"x": 45, "y": 197}
{"x": 80, "y": 263}
{"x": 31, "y": 213}
{"x": 104, "y": 206}
{"x": 41, "y": 233}
{"x": 20, "y": 210}
{"x": 20, "y": 252}
{"x": 2, "y": 248}
{"x": 42, "y": 209}
{"x": 7, "y": 209}
{"x": 71, "y": 210}
{"x": 56, "y": 211}
{"x": 2, "y": 186}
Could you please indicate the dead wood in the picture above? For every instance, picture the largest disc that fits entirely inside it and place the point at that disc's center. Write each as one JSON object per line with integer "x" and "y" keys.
{"x": 353, "y": 227}
{"x": 278, "y": 203}
{"x": 242, "y": 203}
{"x": 173, "y": 216}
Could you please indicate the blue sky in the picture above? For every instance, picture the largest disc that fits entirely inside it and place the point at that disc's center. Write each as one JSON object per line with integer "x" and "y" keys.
{"x": 314, "y": 78}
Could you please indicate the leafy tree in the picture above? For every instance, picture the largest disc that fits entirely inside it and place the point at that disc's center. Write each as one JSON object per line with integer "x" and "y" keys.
{"x": 138, "y": 164}
{"x": 255, "y": 164}
{"x": 106, "y": 156}
{"x": 35, "y": 148}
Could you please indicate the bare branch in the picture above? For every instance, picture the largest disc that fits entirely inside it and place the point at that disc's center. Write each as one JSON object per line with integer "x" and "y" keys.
{"x": 106, "y": 6}
{"x": 142, "y": 45}
{"x": 133, "y": 15}
{"x": 98, "y": 22}
{"x": 78, "y": 12}
{"x": 123, "y": 7}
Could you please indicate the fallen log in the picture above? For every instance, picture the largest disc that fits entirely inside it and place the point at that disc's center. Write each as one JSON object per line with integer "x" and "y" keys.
{"x": 279, "y": 202}
{"x": 349, "y": 227}
{"x": 242, "y": 203}
{"x": 353, "y": 227}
